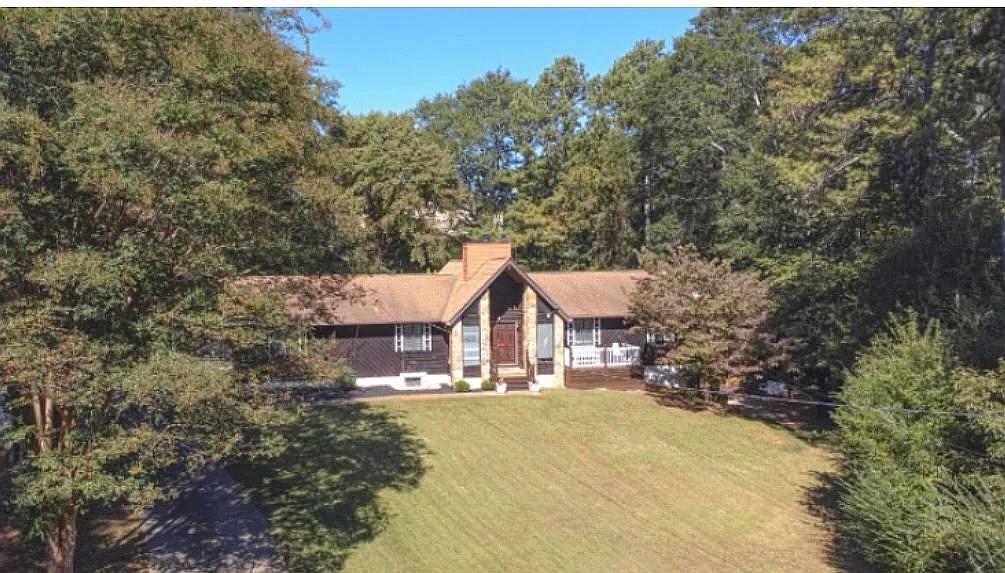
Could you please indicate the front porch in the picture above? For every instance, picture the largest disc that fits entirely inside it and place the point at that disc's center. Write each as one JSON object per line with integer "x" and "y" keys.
{"x": 615, "y": 367}
{"x": 615, "y": 356}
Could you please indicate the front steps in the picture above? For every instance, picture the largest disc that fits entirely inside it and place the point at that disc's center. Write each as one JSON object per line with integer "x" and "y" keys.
{"x": 516, "y": 383}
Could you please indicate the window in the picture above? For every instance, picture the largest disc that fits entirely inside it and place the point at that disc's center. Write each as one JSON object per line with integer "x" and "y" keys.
{"x": 584, "y": 332}
{"x": 545, "y": 340}
{"x": 413, "y": 381}
{"x": 413, "y": 338}
{"x": 472, "y": 344}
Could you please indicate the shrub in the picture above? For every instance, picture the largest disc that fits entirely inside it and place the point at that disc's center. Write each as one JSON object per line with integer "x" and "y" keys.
{"x": 487, "y": 384}
{"x": 462, "y": 386}
{"x": 346, "y": 380}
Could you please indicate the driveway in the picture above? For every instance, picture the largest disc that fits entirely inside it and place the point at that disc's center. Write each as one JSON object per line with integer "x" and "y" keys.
{"x": 210, "y": 528}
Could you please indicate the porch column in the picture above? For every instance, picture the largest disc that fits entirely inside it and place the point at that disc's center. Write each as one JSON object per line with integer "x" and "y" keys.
{"x": 457, "y": 351}
{"x": 530, "y": 328}
{"x": 485, "y": 327}
{"x": 559, "y": 358}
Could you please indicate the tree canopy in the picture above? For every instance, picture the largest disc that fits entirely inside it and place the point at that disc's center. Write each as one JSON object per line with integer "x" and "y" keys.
{"x": 149, "y": 157}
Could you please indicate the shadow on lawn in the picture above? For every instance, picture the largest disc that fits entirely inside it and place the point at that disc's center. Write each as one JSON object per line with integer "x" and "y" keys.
{"x": 822, "y": 501}
{"x": 321, "y": 494}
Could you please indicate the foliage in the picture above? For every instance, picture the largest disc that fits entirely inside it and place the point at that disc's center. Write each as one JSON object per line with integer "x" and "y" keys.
{"x": 407, "y": 186}
{"x": 149, "y": 156}
{"x": 920, "y": 488}
{"x": 712, "y": 316}
{"x": 487, "y": 384}
{"x": 485, "y": 126}
{"x": 462, "y": 386}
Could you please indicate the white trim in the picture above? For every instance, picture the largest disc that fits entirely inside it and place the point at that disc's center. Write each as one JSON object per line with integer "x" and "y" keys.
{"x": 477, "y": 328}
{"x": 427, "y": 337}
{"x": 570, "y": 329}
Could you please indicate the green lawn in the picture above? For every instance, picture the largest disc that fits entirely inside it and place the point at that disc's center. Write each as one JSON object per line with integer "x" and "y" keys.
{"x": 568, "y": 481}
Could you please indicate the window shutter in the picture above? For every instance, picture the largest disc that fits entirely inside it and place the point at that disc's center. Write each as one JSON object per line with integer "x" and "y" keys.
{"x": 570, "y": 328}
{"x": 427, "y": 337}
{"x": 596, "y": 332}
{"x": 397, "y": 337}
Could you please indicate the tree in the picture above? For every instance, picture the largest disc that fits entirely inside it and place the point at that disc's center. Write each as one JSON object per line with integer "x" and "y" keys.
{"x": 149, "y": 157}
{"x": 712, "y": 316}
{"x": 703, "y": 106}
{"x": 485, "y": 125}
{"x": 885, "y": 147}
{"x": 921, "y": 487}
{"x": 585, "y": 220}
{"x": 407, "y": 185}
{"x": 557, "y": 109}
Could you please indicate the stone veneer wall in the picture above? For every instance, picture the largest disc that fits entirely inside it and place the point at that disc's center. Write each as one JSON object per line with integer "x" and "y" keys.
{"x": 559, "y": 351}
{"x": 530, "y": 327}
{"x": 485, "y": 322}
{"x": 457, "y": 351}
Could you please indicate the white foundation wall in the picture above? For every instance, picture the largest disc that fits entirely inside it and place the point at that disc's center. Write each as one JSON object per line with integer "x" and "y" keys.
{"x": 428, "y": 382}
{"x": 547, "y": 380}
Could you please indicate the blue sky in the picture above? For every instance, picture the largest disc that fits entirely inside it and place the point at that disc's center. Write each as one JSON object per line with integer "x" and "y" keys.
{"x": 388, "y": 58}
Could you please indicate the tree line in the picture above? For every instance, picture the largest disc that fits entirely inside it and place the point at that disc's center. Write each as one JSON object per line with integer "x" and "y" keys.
{"x": 851, "y": 157}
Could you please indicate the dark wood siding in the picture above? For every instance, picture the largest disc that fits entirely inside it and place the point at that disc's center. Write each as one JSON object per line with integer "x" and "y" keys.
{"x": 506, "y": 310}
{"x": 369, "y": 350}
{"x": 616, "y": 330}
{"x": 506, "y": 299}
{"x": 611, "y": 378}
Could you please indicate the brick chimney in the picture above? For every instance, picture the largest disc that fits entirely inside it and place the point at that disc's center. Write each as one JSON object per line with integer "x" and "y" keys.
{"x": 474, "y": 255}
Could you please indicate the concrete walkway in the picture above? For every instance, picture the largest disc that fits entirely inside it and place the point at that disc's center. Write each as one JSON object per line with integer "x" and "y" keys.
{"x": 210, "y": 528}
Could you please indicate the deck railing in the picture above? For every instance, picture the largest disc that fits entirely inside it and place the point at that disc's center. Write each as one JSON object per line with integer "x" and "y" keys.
{"x": 601, "y": 356}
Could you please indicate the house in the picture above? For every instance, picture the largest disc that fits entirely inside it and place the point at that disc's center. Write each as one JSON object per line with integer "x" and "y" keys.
{"x": 425, "y": 331}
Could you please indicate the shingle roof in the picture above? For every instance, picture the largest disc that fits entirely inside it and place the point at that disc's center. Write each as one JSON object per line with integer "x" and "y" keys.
{"x": 464, "y": 290}
{"x": 453, "y": 267}
{"x": 362, "y": 299}
{"x": 583, "y": 294}
{"x": 441, "y": 297}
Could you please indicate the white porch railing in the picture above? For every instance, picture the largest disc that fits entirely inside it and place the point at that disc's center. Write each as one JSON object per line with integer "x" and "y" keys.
{"x": 601, "y": 356}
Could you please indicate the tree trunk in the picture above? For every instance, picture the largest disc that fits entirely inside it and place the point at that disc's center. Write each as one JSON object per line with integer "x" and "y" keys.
{"x": 61, "y": 544}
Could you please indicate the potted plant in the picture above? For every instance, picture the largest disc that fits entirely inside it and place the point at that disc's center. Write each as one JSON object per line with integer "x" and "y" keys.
{"x": 500, "y": 382}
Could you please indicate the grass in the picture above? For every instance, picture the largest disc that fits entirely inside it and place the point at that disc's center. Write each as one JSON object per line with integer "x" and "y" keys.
{"x": 568, "y": 481}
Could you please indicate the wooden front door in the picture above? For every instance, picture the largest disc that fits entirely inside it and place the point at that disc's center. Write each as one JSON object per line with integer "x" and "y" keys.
{"x": 506, "y": 344}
